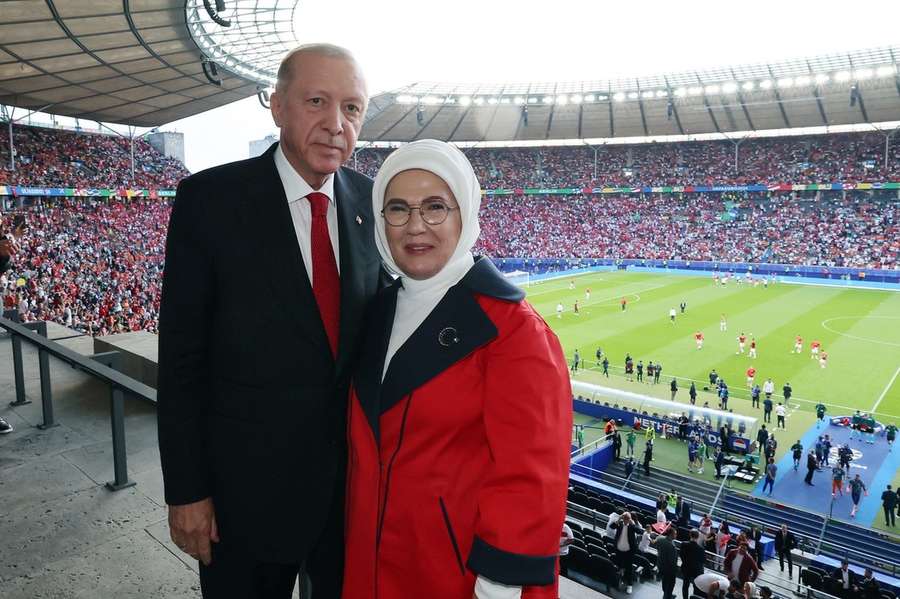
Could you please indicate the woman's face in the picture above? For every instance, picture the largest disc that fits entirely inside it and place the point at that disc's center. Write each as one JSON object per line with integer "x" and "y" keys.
{"x": 421, "y": 249}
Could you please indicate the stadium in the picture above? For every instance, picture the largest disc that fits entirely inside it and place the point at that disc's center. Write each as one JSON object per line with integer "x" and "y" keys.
{"x": 717, "y": 251}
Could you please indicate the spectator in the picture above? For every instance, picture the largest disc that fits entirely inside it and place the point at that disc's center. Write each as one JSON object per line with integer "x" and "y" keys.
{"x": 868, "y": 586}
{"x": 845, "y": 581}
{"x": 667, "y": 561}
{"x": 693, "y": 558}
{"x": 625, "y": 539}
{"x": 889, "y": 502}
{"x": 740, "y": 565}
{"x": 566, "y": 538}
{"x": 785, "y": 543}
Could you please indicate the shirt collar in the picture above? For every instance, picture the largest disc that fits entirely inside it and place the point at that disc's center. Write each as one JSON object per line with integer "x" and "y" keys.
{"x": 295, "y": 186}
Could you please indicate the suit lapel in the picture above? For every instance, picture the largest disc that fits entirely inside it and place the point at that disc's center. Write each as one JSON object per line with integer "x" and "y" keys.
{"x": 351, "y": 224}
{"x": 270, "y": 226}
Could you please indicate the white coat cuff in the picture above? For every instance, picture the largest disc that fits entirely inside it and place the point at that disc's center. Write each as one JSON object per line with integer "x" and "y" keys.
{"x": 485, "y": 588}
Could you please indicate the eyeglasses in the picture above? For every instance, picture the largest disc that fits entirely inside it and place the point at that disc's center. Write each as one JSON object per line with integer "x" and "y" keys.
{"x": 433, "y": 212}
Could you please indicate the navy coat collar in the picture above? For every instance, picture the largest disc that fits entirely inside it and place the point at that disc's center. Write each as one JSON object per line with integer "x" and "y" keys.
{"x": 455, "y": 328}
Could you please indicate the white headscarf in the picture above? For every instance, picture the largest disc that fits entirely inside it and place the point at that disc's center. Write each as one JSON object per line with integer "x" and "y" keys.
{"x": 416, "y": 299}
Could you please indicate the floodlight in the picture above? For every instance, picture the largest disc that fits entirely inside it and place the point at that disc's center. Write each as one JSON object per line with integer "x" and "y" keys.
{"x": 661, "y": 93}
{"x": 589, "y": 98}
{"x": 712, "y": 90}
{"x": 695, "y": 91}
{"x": 562, "y": 100}
{"x": 532, "y": 100}
{"x": 465, "y": 100}
{"x": 632, "y": 95}
{"x": 842, "y": 76}
{"x": 821, "y": 78}
{"x": 492, "y": 101}
{"x": 619, "y": 96}
{"x": 765, "y": 84}
{"x": 729, "y": 88}
{"x": 864, "y": 74}
{"x": 786, "y": 82}
{"x": 548, "y": 99}
{"x": 886, "y": 70}
{"x": 576, "y": 99}
{"x": 647, "y": 94}
{"x": 479, "y": 101}
{"x": 802, "y": 80}
{"x": 748, "y": 85}
{"x": 680, "y": 92}
{"x": 518, "y": 100}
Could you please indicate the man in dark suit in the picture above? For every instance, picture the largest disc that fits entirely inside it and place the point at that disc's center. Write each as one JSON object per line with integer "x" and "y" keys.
{"x": 785, "y": 543}
{"x": 693, "y": 558}
{"x": 844, "y": 581}
{"x": 252, "y": 398}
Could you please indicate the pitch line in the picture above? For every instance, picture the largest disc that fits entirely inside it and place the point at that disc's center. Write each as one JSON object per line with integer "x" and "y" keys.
{"x": 883, "y": 393}
{"x": 824, "y": 325}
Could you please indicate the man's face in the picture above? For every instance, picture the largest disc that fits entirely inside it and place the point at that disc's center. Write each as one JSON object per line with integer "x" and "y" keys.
{"x": 320, "y": 113}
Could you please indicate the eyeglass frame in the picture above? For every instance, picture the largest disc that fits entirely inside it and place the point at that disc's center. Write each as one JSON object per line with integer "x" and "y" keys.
{"x": 421, "y": 214}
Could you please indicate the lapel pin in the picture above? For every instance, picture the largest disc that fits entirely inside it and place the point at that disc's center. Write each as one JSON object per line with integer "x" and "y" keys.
{"x": 448, "y": 337}
{"x": 358, "y": 219}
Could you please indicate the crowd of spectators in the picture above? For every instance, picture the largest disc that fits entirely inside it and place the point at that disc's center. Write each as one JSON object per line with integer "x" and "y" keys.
{"x": 91, "y": 265}
{"x": 853, "y": 231}
{"x": 95, "y": 265}
{"x": 59, "y": 158}
{"x": 845, "y": 158}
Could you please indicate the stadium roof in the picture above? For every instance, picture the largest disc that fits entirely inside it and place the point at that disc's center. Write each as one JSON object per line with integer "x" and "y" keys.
{"x": 138, "y": 62}
{"x": 840, "y": 89}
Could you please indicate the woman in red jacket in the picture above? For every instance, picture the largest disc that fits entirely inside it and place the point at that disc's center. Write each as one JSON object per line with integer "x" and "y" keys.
{"x": 460, "y": 416}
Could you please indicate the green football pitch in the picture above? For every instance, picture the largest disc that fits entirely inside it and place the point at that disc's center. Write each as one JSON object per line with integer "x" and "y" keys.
{"x": 859, "y": 328}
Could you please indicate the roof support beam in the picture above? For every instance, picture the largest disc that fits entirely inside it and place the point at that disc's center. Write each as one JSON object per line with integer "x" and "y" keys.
{"x": 671, "y": 100}
{"x": 609, "y": 100}
{"x": 817, "y": 95}
{"x": 550, "y": 119}
{"x": 709, "y": 110}
{"x": 740, "y": 97}
{"x": 640, "y": 100}
{"x": 787, "y": 123}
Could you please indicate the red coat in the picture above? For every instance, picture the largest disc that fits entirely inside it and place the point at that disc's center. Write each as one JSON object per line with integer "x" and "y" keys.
{"x": 459, "y": 458}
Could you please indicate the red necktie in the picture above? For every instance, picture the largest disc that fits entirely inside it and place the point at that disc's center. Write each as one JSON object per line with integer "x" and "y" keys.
{"x": 326, "y": 282}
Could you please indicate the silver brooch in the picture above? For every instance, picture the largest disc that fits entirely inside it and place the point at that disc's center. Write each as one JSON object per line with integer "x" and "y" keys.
{"x": 448, "y": 337}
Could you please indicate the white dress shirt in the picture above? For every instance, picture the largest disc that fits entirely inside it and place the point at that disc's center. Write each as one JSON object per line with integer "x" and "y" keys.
{"x": 295, "y": 190}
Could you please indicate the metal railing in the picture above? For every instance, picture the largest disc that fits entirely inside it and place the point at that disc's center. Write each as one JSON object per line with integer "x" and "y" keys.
{"x": 99, "y": 366}
{"x": 597, "y": 520}
{"x": 807, "y": 543}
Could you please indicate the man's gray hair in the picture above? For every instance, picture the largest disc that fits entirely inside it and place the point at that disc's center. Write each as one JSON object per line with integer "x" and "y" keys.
{"x": 286, "y": 70}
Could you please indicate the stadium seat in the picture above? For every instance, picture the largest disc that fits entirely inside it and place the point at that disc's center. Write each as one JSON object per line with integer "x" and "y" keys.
{"x": 578, "y": 559}
{"x": 647, "y": 569}
{"x": 604, "y": 571}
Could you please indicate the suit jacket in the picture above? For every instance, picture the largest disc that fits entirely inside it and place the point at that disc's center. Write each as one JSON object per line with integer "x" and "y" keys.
{"x": 693, "y": 557}
{"x": 838, "y": 577}
{"x": 251, "y": 402}
{"x": 785, "y": 542}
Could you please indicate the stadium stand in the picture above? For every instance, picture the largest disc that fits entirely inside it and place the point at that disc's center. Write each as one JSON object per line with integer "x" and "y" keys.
{"x": 845, "y": 158}
{"x": 852, "y": 229}
{"x": 59, "y": 158}
{"x": 91, "y": 265}
{"x": 855, "y": 231}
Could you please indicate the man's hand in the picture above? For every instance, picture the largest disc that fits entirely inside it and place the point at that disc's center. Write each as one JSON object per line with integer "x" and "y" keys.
{"x": 192, "y": 527}
{"x": 8, "y": 248}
